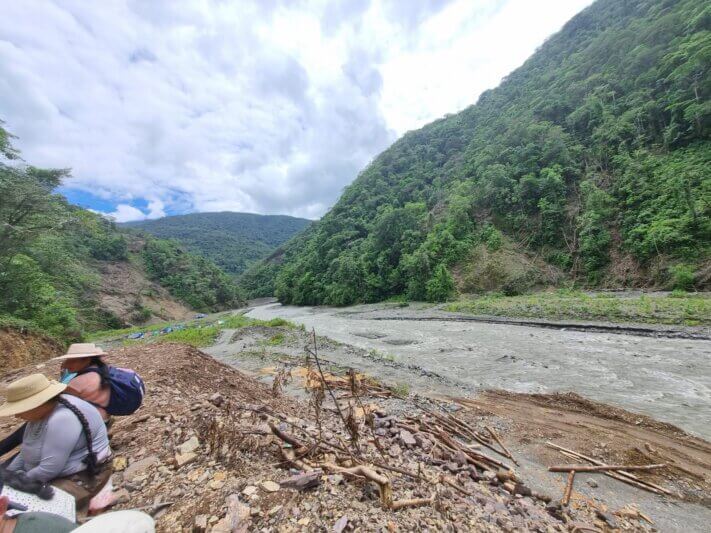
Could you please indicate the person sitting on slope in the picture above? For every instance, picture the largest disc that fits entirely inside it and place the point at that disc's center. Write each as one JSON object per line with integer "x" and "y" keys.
{"x": 90, "y": 386}
{"x": 65, "y": 441}
{"x": 86, "y": 375}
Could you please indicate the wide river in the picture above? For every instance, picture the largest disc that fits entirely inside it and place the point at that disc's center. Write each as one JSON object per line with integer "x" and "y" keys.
{"x": 667, "y": 379}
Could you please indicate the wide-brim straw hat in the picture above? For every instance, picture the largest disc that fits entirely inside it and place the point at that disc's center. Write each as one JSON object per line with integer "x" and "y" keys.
{"x": 29, "y": 392}
{"x": 76, "y": 351}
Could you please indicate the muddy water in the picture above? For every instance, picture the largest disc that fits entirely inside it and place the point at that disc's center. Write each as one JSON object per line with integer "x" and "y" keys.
{"x": 668, "y": 379}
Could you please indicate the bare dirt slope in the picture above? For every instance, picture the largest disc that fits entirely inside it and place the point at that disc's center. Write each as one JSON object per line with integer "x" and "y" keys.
{"x": 201, "y": 456}
{"x": 18, "y": 348}
{"x": 125, "y": 290}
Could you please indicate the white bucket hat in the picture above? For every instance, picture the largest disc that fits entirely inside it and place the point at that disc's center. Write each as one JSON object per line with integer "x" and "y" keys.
{"x": 76, "y": 351}
{"x": 29, "y": 392}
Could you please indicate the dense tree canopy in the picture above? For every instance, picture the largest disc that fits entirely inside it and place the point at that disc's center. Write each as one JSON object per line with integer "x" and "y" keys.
{"x": 591, "y": 161}
{"x": 232, "y": 240}
{"x": 50, "y": 254}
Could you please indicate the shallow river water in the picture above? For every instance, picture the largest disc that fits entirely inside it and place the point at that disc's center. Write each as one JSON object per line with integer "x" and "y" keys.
{"x": 667, "y": 379}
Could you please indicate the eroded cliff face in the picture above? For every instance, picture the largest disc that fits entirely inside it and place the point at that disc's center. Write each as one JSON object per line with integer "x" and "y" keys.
{"x": 20, "y": 348}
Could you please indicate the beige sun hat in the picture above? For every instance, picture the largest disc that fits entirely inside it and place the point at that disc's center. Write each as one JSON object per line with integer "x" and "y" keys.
{"x": 29, "y": 392}
{"x": 76, "y": 351}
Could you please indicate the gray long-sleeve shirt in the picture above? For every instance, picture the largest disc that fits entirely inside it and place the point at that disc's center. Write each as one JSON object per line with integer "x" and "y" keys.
{"x": 56, "y": 446}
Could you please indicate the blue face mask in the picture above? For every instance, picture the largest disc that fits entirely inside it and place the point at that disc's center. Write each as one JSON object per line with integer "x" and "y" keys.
{"x": 66, "y": 376}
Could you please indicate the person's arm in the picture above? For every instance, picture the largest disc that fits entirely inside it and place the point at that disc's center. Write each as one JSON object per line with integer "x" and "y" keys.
{"x": 17, "y": 463}
{"x": 63, "y": 431}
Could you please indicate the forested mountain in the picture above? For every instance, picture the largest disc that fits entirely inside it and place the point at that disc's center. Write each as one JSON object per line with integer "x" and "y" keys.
{"x": 54, "y": 257}
{"x": 232, "y": 240}
{"x": 589, "y": 163}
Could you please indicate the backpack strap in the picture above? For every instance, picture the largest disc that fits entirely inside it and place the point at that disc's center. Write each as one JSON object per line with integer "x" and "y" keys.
{"x": 74, "y": 392}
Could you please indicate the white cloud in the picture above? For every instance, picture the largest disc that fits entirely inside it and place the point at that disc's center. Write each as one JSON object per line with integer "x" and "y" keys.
{"x": 126, "y": 213}
{"x": 156, "y": 209}
{"x": 268, "y": 107}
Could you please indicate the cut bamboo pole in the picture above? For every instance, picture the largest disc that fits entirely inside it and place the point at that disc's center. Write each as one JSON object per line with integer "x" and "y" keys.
{"x": 602, "y": 468}
{"x": 507, "y": 453}
{"x": 568, "y": 488}
{"x": 625, "y": 477}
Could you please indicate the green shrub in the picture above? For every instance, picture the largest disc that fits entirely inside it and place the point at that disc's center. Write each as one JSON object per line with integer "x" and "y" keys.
{"x": 141, "y": 314}
{"x": 492, "y": 237}
{"x": 190, "y": 278}
{"x": 441, "y": 286}
{"x": 682, "y": 277}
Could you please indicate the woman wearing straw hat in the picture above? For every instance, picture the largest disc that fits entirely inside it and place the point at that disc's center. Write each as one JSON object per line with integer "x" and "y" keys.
{"x": 65, "y": 441}
{"x": 87, "y": 375}
{"x": 76, "y": 373}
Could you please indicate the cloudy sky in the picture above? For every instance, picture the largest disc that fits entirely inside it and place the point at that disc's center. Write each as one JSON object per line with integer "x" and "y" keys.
{"x": 174, "y": 106}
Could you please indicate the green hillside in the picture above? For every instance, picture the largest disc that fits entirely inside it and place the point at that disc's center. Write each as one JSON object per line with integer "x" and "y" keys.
{"x": 52, "y": 255}
{"x": 589, "y": 165}
{"x": 232, "y": 240}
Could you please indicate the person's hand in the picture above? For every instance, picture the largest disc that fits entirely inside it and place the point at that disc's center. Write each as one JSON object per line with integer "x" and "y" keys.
{"x": 7, "y": 525}
{"x": 4, "y": 502}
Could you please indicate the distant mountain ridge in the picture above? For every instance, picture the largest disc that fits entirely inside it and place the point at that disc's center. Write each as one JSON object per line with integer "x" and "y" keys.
{"x": 232, "y": 240}
{"x": 587, "y": 165}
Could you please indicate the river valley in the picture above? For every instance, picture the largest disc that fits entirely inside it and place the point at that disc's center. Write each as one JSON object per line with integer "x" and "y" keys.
{"x": 665, "y": 378}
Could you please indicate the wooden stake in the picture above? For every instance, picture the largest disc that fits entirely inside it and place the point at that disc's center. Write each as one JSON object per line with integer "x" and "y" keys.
{"x": 568, "y": 488}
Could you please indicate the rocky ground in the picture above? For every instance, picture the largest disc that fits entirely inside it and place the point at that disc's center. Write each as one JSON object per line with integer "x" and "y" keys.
{"x": 215, "y": 450}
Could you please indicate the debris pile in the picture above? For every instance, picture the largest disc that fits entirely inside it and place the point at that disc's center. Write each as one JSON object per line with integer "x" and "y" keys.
{"x": 213, "y": 450}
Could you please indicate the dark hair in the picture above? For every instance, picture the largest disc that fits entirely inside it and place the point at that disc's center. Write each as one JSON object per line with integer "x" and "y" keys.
{"x": 91, "y": 458}
{"x": 103, "y": 370}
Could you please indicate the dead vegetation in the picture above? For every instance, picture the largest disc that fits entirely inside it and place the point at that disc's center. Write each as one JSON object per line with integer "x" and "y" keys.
{"x": 214, "y": 450}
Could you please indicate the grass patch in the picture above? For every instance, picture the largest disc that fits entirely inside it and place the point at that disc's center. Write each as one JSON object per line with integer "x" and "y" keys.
{"x": 401, "y": 390}
{"x": 196, "y": 333}
{"x": 677, "y": 309}
{"x": 13, "y": 323}
{"x": 109, "y": 334}
{"x": 236, "y": 322}
{"x": 241, "y": 321}
{"x": 383, "y": 356}
{"x": 275, "y": 340}
{"x": 198, "y": 337}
